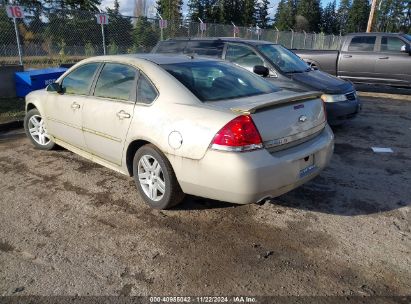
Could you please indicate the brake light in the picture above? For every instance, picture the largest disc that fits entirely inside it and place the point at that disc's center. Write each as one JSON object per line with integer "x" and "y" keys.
{"x": 240, "y": 134}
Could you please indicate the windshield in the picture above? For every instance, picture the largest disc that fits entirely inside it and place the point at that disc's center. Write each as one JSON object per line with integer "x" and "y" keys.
{"x": 215, "y": 80}
{"x": 285, "y": 60}
{"x": 408, "y": 37}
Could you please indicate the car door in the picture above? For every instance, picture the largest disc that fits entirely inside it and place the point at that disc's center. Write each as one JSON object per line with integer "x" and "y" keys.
{"x": 392, "y": 65}
{"x": 64, "y": 110}
{"x": 357, "y": 59}
{"x": 107, "y": 116}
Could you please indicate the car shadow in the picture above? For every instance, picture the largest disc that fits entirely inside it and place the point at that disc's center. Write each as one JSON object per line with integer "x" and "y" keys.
{"x": 191, "y": 202}
{"x": 382, "y": 89}
{"x": 311, "y": 198}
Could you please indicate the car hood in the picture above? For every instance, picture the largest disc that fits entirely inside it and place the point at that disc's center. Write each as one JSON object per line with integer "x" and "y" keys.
{"x": 322, "y": 81}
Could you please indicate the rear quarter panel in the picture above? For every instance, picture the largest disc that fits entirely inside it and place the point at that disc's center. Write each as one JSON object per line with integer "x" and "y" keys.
{"x": 176, "y": 109}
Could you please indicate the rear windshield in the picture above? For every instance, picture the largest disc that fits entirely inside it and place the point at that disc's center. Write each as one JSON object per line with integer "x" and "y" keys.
{"x": 171, "y": 47}
{"x": 214, "y": 80}
{"x": 205, "y": 48}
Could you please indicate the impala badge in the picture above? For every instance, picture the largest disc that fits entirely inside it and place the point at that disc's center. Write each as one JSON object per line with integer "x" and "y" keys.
{"x": 302, "y": 118}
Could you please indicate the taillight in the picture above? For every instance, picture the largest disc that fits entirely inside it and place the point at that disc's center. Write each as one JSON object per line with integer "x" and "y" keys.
{"x": 240, "y": 134}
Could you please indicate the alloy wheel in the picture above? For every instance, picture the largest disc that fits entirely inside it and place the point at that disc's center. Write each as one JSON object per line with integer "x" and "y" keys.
{"x": 151, "y": 177}
{"x": 38, "y": 130}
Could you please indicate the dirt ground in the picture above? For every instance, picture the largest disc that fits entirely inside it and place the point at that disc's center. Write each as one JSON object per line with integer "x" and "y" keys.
{"x": 71, "y": 227}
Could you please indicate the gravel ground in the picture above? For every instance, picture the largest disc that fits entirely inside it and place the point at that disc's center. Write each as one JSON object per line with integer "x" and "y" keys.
{"x": 71, "y": 227}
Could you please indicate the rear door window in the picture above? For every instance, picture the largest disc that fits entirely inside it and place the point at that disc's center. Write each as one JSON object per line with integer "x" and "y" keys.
{"x": 79, "y": 81}
{"x": 171, "y": 47}
{"x": 205, "y": 48}
{"x": 116, "y": 81}
{"x": 146, "y": 92}
{"x": 243, "y": 56}
{"x": 391, "y": 44}
{"x": 362, "y": 44}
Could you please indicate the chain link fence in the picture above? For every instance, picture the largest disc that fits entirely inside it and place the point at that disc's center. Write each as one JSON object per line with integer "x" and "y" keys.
{"x": 50, "y": 37}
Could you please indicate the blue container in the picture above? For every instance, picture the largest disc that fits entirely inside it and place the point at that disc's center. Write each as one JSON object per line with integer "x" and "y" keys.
{"x": 35, "y": 79}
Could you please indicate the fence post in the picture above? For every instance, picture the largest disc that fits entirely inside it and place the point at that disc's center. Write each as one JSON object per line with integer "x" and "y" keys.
{"x": 18, "y": 41}
{"x": 276, "y": 39}
{"x": 292, "y": 37}
{"x": 322, "y": 34}
{"x": 104, "y": 39}
{"x": 315, "y": 40}
{"x": 305, "y": 38}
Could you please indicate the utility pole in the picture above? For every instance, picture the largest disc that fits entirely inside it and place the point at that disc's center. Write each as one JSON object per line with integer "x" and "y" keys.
{"x": 371, "y": 17}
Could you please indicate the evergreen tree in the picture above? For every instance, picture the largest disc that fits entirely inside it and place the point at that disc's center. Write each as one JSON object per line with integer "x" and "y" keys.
{"x": 329, "y": 24}
{"x": 145, "y": 35}
{"x": 309, "y": 10}
{"x": 8, "y": 35}
{"x": 262, "y": 14}
{"x": 342, "y": 15}
{"x": 119, "y": 29}
{"x": 248, "y": 12}
{"x": 215, "y": 11}
{"x": 170, "y": 9}
{"x": 87, "y": 5}
{"x": 285, "y": 15}
{"x": 232, "y": 12}
{"x": 358, "y": 16}
{"x": 393, "y": 16}
{"x": 195, "y": 9}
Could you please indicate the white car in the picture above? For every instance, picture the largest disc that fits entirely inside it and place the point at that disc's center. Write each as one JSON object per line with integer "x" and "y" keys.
{"x": 180, "y": 124}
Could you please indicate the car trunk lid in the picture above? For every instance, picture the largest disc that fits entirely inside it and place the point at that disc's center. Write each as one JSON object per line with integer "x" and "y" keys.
{"x": 283, "y": 118}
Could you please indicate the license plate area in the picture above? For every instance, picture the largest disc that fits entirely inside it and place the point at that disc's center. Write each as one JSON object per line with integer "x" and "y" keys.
{"x": 307, "y": 166}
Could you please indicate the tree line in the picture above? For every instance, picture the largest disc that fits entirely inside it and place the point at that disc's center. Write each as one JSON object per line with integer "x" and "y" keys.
{"x": 348, "y": 16}
{"x": 62, "y": 24}
{"x": 298, "y": 15}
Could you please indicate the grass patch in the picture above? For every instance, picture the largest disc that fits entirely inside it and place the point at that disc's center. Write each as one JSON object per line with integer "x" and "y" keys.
{"x": 11, "y": 109}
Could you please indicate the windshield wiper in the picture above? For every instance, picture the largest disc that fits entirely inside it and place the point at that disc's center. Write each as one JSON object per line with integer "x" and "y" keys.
{"x": 294, "y": 72}
{"x": 299, "y": 71}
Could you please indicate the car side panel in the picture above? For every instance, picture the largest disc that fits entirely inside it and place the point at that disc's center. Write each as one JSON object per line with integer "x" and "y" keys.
{"x": 167, "y": 125}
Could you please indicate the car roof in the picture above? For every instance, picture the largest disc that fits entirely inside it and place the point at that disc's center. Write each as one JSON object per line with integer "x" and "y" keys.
{"x": 224, "y": 39}
{"x": 155, "y": 58}
{"x": 373, "y": 34}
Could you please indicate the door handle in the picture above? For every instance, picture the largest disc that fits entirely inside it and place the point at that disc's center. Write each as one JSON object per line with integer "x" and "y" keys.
{"x": 383, "y": 57}
{"x": 122, "y": 115}
{"x": 75, "y": 105}
{"x": 347, "y": 56}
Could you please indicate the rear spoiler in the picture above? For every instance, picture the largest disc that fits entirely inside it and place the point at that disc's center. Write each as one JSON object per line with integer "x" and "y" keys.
{"x": 252, "y": 107}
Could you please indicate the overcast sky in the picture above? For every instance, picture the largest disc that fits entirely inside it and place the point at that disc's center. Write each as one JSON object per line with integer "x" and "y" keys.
{"x": 127, "y": 6}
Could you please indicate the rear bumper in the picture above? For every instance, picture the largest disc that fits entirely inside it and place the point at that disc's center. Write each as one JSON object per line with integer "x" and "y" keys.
{"x": 251, "y": 176}
{"x": 340, "y": 112}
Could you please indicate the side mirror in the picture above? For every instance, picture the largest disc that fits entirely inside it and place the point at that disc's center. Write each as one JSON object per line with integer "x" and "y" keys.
{"x": 261, "y": 70}
{"x": 54, "y": 87}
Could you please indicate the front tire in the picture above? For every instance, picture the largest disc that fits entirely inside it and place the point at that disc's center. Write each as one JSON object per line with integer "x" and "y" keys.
{"x": 155, "y": 178}
{"x": 36, "y": 130}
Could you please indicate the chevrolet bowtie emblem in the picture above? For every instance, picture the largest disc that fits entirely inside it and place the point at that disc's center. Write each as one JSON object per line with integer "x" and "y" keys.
{"x": 302, "y": 118}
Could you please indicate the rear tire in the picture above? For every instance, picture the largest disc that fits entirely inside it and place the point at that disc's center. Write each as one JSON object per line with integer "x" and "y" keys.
{"x": 36, "y": 130}
{"x": 155, "y": 178}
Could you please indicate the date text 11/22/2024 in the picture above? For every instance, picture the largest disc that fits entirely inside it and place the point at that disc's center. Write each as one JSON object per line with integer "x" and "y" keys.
{"x": 205, "y": 299}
